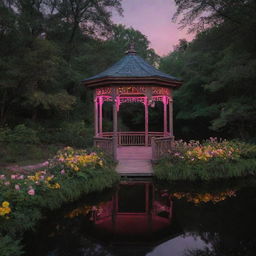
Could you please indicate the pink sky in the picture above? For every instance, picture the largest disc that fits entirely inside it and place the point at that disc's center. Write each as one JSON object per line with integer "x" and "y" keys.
{"x": 153, "y": 18}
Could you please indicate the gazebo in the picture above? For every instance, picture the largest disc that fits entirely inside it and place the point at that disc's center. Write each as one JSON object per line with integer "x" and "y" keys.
{"x": 131, "y": 80}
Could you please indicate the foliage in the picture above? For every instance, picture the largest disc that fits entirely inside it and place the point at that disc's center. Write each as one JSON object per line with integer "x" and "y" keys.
{"x": 25, "y": 195}
{"x": 210, "y": 160}
{"x": 217, "y": 67}
{"x": 10, "y": 247}
{"x": 76, "y": 134}
{"x": 20, "y": 134}
{"x": 49, "y": 47}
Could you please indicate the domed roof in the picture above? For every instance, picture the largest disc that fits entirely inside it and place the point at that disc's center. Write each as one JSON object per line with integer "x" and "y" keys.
{"x": 132, "y": 67}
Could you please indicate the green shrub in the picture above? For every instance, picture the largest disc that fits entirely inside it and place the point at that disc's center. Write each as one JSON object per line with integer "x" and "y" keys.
{"x": 75, "y": 134}
{"x": 4, "y": 133}
{"x": 28, "y": 195}
{"x": 9, "y": 246}
{"x": 209, "y": 160}
{"x": 20, "y": 134}
{"x": 23, "y": 134}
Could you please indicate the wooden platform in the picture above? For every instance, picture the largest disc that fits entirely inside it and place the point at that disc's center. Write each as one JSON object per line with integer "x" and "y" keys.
{"x": 134, "y": 161}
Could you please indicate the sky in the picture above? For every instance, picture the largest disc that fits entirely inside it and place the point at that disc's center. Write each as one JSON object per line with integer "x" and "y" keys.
{"x": 153, "y": 18}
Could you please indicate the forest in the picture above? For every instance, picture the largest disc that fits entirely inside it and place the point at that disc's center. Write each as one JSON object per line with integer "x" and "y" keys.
{"x": 49, "y": 46}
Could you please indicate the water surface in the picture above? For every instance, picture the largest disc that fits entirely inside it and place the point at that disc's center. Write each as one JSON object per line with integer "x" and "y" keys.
{"x": 143, "y": 218}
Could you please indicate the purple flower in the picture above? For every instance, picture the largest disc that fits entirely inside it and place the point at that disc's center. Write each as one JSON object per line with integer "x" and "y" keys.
{"x": 62, "y": 172}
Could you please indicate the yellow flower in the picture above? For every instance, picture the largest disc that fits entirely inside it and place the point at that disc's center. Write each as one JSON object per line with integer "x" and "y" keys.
{"x": 54, "y": 186}
{"x": 49, "y": 178}
{"x": 5, "y": 209}
{"x": 5, "y": 204}
{"x": 76, "y": 168}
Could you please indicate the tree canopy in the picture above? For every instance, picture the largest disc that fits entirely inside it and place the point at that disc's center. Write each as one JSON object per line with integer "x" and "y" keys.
{"x": 218, "y": 69}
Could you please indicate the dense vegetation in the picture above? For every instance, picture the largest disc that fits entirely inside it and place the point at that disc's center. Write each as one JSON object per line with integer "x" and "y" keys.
{"x": 24, "y": 197}
{"x": 48, "y": 47}
{"x": 218, "y": 69}
{"x": 209, "y": 160}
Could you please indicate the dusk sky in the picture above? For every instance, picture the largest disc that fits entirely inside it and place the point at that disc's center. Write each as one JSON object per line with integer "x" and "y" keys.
{"x": 153, "y": 18}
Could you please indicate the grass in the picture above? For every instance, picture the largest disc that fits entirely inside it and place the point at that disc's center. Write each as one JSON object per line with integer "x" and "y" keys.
{"x": 166, "y": 170}
{"x": 210, "y": 160}
{"x": 60, "y": 183}
{"x": 25, "y": 154}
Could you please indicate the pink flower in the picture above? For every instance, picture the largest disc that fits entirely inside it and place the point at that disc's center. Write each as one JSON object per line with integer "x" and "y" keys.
{"x": 62, "y": 172}
{"x": 17, "y": 187}
{"x": 2, "y": 177}
{"x": 14, "y": 176}
{"x": 31, "y": 192}
{"x": 7, "y": 183}
{"x": 21, "y": 177}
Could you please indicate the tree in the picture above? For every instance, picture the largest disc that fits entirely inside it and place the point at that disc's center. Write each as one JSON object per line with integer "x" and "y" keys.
{"x": 202, "y": 14}
{"x": 217, "y": 68}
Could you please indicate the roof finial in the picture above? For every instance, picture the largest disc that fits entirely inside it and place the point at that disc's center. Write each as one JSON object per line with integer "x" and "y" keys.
{"x": 131, "y": 49}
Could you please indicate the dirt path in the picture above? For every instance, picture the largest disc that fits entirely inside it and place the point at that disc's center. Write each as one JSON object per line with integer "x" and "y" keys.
{"x": 27, "y": 168}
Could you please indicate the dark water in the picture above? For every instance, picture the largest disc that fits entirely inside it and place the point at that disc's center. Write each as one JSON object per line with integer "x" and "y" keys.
{"x": 144, "y": 218}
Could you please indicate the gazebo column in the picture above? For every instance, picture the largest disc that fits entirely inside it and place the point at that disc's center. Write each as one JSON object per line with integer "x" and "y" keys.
{"x": 115, "y": 126}
{"x": 146, "y": 120}
{"x": 171, "y": 117}
{"x": 165, "y": 115}
{"x": 95, "y": 115}
{"x": 100, "y": 108}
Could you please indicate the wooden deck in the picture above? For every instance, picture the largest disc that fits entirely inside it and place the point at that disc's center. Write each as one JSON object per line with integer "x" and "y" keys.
{"x": 134, "y": 161}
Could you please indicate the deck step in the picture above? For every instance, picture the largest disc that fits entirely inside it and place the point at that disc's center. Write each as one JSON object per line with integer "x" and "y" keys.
{"x": 134, "y": 161}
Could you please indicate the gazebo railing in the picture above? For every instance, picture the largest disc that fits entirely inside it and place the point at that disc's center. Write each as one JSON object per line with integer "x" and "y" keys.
{"x": 105, "y": 144}
{"x": 161, "y": 147}
{"x": 133, "y": 138}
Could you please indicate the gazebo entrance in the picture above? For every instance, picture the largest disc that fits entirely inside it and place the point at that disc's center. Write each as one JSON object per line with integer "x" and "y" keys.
{"x": 148, "y": 96}
{"x": 128, "y": 81}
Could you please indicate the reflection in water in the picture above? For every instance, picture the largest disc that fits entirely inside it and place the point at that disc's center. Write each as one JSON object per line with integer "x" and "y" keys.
{"x": 136, "y": 211}
{"x": 198, "y": 198}
{"x": 140, "y": 218}
{"x": 179, "y": 246}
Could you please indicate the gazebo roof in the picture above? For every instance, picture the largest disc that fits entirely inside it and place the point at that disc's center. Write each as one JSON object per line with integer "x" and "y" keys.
{"x": 131, "y": 68}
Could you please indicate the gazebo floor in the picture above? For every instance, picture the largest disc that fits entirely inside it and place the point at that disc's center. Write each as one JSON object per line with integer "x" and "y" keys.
{"x": 134, "y": 161}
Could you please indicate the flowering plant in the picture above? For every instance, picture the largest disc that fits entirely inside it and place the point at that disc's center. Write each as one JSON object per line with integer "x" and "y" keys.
{"x": 195, "y": 151}
{"x": 77, "y": 160}
{"x": 198, "y": 198}
{"x": 210, "y": 159}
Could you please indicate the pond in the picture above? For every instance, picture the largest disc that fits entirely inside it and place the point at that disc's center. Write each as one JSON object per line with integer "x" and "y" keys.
{"x": 144, "y": 218}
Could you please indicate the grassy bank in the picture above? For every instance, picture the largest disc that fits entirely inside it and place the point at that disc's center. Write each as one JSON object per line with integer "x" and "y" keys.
{"x": 23, "y": 145}
{"x": 25, "y": 197}
{"x": 206, "y": 161}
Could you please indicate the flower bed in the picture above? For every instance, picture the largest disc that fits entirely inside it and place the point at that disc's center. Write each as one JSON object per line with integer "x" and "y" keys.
{"x": 23, "y": 197}
{"x": 209, "y": 160}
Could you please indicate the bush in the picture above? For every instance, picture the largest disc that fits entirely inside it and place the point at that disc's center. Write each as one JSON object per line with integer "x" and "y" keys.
{"x": 23, "y": 197}
{"x": 75, "y": 134}
{"x": 209, "y": 160}
{"x": 20, "y": 134}
{"x": 10, "y": 247}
